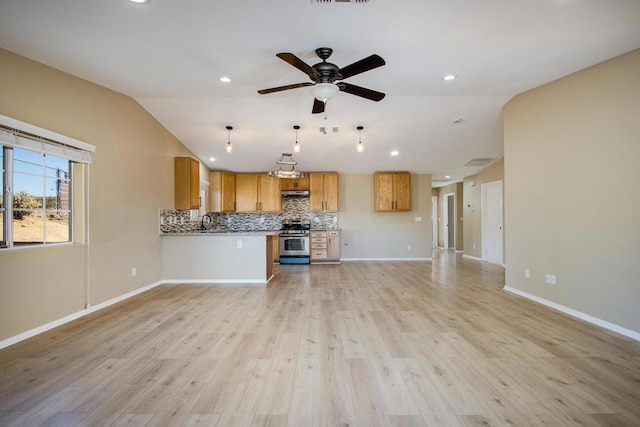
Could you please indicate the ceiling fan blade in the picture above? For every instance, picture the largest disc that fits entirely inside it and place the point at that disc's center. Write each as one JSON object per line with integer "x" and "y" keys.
{"x": 297, "y": 62}
{"x": 361, "y": 91}
{"x": 318, "y": 106}
{"x": 281, "y": 88}
{"x": 366, "y": 64}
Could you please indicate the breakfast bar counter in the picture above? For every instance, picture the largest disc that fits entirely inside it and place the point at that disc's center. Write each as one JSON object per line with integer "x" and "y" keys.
{"x": 218, "y": 257}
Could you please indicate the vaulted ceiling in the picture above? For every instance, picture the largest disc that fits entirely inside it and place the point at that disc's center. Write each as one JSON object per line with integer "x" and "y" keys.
{"x": 169, "y": 56}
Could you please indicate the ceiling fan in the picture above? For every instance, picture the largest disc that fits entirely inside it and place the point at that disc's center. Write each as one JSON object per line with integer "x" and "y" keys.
{"x": 324, "y": 75}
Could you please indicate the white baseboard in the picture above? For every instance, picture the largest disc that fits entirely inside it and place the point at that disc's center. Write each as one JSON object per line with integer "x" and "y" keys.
{"x": 215, "y": 282}
{"x": 578, "y": 314}
{"x": 482, "y": 259}
{"x": 386, "y": 259}
{"x": 73, "y": 316}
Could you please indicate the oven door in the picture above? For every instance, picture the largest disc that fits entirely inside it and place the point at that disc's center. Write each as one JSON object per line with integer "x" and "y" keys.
{"x": 294, "y": 245}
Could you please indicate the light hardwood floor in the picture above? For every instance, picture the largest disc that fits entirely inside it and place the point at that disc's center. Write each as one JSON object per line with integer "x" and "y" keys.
{"x": 360, "y": 344}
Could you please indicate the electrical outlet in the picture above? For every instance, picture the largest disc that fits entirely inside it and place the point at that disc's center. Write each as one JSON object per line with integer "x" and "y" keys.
{"x": 553, "y": 279}
{"x": 474, "y": 246}
{"x": 134, "y": 271}
{"x": 408, "y": 247}
{"x": 239, "y": 244}
{"x": 527, "y": 273}
{"x": 547, "y": 279}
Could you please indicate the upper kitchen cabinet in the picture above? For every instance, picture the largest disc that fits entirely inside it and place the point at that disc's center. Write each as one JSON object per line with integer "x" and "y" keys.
{"x": 257, "y": 193}
{"x": 392, "y": 191}
{"x": 323, "y": 192}
{"x": 295, "y": 184}
{"x": 222, "y": 192}
{"x": 187, "y": 183}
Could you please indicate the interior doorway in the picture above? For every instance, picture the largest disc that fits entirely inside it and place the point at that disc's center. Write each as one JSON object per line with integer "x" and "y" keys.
{"x": 492, "y": 233}
{"x": 449, "y": 215}
{"x": 434, "y": 221}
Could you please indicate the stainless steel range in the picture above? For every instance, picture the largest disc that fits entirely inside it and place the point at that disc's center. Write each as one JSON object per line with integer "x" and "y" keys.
{"x": 294, "y": 241}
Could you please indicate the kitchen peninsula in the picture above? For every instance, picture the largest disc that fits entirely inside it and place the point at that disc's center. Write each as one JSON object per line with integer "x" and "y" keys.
{"x": 218, "y": 257}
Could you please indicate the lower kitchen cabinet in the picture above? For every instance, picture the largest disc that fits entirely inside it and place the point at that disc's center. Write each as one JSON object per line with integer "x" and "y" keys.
{"x": 325, "y": 246}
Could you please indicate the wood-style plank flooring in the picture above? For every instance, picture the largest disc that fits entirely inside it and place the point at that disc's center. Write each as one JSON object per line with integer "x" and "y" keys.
{"x": 360, "y": 344}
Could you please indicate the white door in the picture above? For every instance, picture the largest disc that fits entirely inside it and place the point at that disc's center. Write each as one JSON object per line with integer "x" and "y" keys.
{"x": 492, "y": 233}
{"x": 434, "y": 220}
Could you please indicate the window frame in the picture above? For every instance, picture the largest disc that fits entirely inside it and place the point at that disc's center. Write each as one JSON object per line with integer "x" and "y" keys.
{"x": 18, "y": 134}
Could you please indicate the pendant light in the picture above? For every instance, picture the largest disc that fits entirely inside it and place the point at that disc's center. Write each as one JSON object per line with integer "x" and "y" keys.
{"x": 296, "y": 146}
{"x": 229, "y": 147}
{"x": 290, "y": 170}
{"x": 360, "y": 147}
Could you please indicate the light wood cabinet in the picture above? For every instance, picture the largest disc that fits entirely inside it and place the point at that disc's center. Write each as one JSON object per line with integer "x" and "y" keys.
{"x": 295, "y": 184}
{"x": 187, "y": 183}
{"x": 222, "y": 192}
{"x": 392, "y": 191}
{"x": 323, "y": 192}
{"x": 325, "y": 246}
{"x": 257, "y": 193}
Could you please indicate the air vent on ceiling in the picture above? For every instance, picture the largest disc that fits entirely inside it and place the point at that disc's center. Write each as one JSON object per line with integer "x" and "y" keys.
{"x": 479, "y": 162}
{"x": 324, "y": 129}
{"x": 441, "y": 180}
{"x": 339, "y": 1}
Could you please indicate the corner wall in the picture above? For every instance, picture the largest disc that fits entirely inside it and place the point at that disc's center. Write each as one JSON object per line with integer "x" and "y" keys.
{"x": 571, "y": 203}
{"x": 131, "y": 178}
{"x": 472, "y": 195}
{"x": 457, "y": 190}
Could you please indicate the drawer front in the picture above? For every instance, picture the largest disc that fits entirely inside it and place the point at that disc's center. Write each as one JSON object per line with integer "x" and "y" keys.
{"x": 334, "y": 234}
{"x": 318, "y": 234}
{"x": 318, "y": 254}
{"x": 319, "y": 240}
{"x": 318, "y": 246}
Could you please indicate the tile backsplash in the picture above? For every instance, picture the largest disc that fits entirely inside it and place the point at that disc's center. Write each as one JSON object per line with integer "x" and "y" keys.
{"x": 173, "y": 221}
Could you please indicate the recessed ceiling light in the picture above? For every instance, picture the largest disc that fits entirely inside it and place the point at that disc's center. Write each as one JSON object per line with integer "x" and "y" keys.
{"x": 449, "y": 77}
{"x": 225, "y": 79}
{"x": 394, "y": 153}
{"x": 447, "y": 176}
{"x": 212, "y": 159}
{"x": 140, "y": 1}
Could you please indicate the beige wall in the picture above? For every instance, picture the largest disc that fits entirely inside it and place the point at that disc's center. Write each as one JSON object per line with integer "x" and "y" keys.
{"x": 571, "y": 200}
{"x": 130, "y": 179}
{"x": 473, "y": 215}
{"x": 456, "y": 189}
{"x": 384, "y": 235}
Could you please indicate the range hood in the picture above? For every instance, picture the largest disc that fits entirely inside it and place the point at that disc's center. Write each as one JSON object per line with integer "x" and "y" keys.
{"x": 287, "y": 194}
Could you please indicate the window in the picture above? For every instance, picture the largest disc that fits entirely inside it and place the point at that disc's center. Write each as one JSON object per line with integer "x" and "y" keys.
{"x": 41, "y": 198}
{"x": 36, "y": 206}
{"x": 40, "y": 195}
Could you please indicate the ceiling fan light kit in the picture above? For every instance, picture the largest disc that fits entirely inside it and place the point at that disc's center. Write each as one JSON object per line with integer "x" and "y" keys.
{"x": 324, "y": 91}
{"x": 324, "y": 76}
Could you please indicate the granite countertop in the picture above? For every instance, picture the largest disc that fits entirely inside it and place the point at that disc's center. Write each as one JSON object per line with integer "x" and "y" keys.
{"x": 224, "y": 233}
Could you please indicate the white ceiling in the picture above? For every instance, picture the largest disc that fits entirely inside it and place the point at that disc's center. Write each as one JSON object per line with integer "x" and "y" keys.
{"x": 169, "y": 54}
